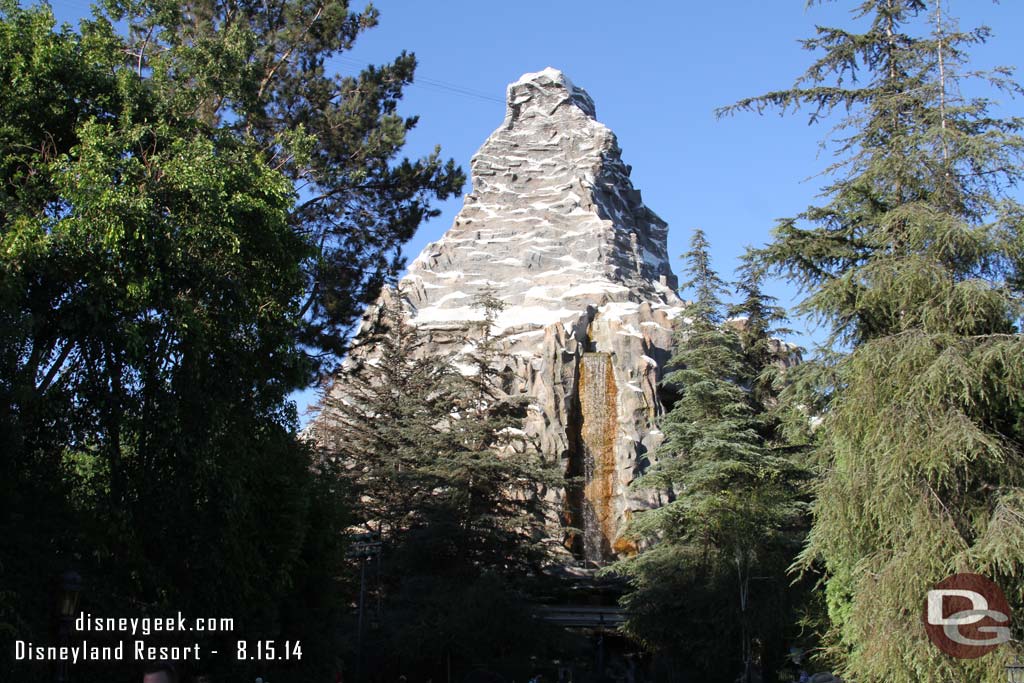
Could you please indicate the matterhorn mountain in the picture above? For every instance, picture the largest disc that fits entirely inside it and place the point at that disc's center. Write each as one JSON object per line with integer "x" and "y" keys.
{"x": 555, "y": 229}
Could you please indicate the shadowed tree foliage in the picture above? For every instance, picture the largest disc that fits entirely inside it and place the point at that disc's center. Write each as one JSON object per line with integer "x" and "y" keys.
{"x": 914, "y": 263}
{"x": 443, "y": 471}
{"x": 190, "y": 217}
{"x": 713, "y": 573}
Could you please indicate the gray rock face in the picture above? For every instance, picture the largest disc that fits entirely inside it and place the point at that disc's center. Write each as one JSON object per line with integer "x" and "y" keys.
{"x": 553, "y": 220}
{"x": 555, "y": 229}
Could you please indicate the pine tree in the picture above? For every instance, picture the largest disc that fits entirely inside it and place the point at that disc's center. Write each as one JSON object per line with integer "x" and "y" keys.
{"x": 384, "y": 416}
{"x": 448, "y": 477}
{"x": 759, "y": 318}
{"x": 436, "y": 452}
{"x": 912, "y": 262}
{"x": 502, "y": 470}
{"x": 733, "y": 499}
{"x": 264, "y": 71}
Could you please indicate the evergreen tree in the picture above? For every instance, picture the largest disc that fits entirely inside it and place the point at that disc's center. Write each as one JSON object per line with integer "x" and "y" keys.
{"x": 733, "y": 500}
{"x": 446, "y": 474}
{"x": 387, "y": 418}
{"x": 263, "y": 71}
{"x": 758, "y": 318}
{"x": 912, "y": 262}
{"x": 501, "y": 473}
{"x": 434, "y": 451}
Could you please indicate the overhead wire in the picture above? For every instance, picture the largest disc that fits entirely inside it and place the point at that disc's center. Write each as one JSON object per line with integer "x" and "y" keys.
{"x": 420, "y": 81}
{"x": 433, "y": 83}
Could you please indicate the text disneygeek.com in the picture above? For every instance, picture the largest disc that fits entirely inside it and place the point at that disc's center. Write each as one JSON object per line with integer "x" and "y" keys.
{"x": 138, "y": 650}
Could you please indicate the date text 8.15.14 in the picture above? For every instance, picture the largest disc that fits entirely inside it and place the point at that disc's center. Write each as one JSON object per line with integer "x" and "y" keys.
{"x": 268, "y": 650}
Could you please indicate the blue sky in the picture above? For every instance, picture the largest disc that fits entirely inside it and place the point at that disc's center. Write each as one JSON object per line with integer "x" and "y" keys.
{"x": 656, "y": 71}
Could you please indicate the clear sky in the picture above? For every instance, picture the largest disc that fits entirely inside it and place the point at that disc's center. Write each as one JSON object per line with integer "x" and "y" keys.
{"x": 656, "y": 71}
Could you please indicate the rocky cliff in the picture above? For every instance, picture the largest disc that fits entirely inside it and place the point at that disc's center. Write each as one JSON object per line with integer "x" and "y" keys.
{"x": 555, "y": 229}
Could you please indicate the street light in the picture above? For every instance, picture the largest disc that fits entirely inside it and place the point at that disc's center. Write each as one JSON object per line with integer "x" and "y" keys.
{"x": 363, "y": 547}
{"x": 70, "y": 588}
{"x": 1015, "y": 672}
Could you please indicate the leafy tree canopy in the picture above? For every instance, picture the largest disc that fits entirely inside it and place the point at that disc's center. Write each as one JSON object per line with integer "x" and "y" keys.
{"x": 914, "y": 262}
{"x": 191, "y": 217}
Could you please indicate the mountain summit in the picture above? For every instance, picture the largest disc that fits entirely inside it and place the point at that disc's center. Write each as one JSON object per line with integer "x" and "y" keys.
{"x": 555, "y": 229}
{"x": 553, "y": 220}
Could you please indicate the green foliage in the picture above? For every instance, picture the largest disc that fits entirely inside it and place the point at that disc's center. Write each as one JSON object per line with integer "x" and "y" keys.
{"x": 713, "y": 573}
{"x": 190, "y": 218}
{"x": 758, "y": 325}
{"x": 445, "y": 474}
{"x": 438, "y": 458}
{"x": 262, "y": 71}
{"x": 914, "y": 262}
{"x": 469, "y": 624}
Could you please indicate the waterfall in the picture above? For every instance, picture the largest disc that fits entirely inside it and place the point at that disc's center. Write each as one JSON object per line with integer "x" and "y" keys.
{"x": 598, "y": 430}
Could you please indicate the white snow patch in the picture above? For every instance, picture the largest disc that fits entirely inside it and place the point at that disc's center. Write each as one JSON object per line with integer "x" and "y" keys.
{"x": 535, "y": 316}
{"x": 653, "y": 259}
{"x": 596, "y": 287}
{"x": 615, "y": 310}
{"x": 516, "y": 316}
{"x": 672, "y": 312}
{"x": 538, "y": 292}
{"x": 664, "y": 289}
{"x": 569, "y": 258}
{"x": 451, "y": 296}
{"x": 465, "y": 369}
{"x": 435, "y": 314}
{"x": 523, "y": 335}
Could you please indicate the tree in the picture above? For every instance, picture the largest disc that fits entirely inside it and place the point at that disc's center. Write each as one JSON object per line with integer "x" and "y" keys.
{"x": 758, "y": 318}
{"x": 734, "y": 498}
{"x": 262, "y": 70}
{"x": 166, "y": 281}
{"x": 446, "y": 475}
{"x": 913, "y": 262}
{"x": 150, "y": 283}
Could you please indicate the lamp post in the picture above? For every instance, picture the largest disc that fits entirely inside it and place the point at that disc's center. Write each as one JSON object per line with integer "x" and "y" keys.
{"x": 1015, "y": 672}
{"x": 363, "y": 547}
{"x": 70, "y": 588}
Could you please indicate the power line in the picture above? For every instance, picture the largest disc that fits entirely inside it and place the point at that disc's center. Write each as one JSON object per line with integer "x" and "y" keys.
{"x": 432, "y": 83}
{"x": 420, "y": 81}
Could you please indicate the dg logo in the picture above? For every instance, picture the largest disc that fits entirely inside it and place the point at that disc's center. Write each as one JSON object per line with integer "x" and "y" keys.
{"x": 967, "y": 616}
